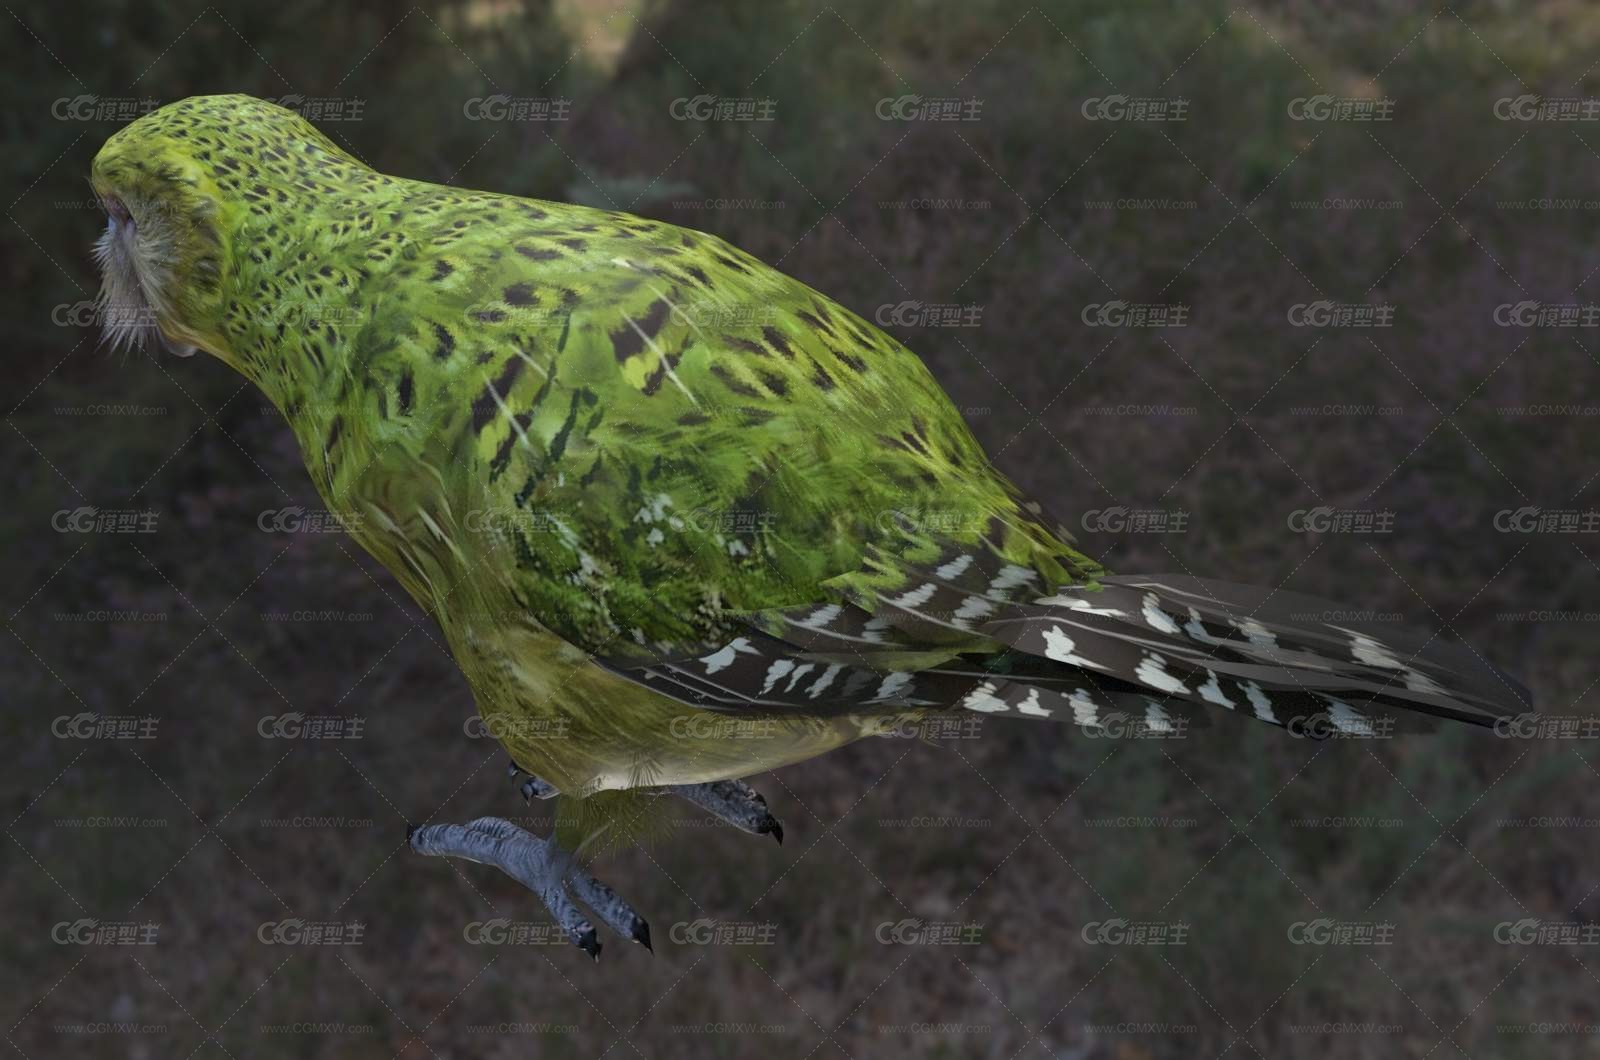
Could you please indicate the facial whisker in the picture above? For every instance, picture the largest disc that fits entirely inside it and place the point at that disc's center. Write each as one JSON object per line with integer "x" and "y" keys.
{"x": 135, "y": 270}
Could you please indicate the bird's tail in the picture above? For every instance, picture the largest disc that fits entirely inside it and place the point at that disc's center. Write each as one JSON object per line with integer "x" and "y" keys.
{"x": 1156, "y": 652}
{"x": 1162, "y": 646}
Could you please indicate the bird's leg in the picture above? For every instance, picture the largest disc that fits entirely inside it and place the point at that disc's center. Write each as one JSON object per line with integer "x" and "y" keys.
{"x": 541, "y": 866}
{"x": 732, "y": 801}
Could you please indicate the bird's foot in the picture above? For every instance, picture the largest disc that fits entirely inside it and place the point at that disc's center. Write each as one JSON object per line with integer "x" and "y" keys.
{"x": 541, "y": 866}
{"x": 732, "y": 801}
{"x": 533, "y": 787}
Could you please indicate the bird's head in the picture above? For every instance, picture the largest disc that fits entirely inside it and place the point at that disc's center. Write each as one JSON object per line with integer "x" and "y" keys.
{"x": 161, "y": 254}
{"x": 182, "y": 188}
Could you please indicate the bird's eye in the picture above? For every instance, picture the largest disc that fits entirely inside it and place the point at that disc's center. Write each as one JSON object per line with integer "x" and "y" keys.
{"x": 116, "y": 208}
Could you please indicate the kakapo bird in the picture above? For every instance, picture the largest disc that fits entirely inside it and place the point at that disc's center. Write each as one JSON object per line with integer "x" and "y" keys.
{"x": 642, "y": 480}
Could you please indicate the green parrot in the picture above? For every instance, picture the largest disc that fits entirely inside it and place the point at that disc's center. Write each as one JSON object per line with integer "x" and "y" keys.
{"x": 680, "y": 518}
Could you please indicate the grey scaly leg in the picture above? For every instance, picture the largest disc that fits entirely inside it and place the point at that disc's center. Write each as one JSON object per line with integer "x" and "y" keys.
{"x": 542, "y": 867}
{"x": 732, "y": 801}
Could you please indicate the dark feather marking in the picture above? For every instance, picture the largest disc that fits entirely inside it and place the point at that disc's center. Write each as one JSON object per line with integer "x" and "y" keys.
{"x": 821, "y": 378}
{"x": 447, "y": 343}
{"x": 657, "y": 316}
{"x": 625, "y": 342}
{"x": 502, "y": 456}
{"x": 775, "y": 339}
{"x": 728, "y": 380}
{"x": 485, "y": 407}
{"x": 526, "y": 491}
{"x": 558, "y": 444}
{"x": 652, "y": 382}
{"x": 815, "y": 322}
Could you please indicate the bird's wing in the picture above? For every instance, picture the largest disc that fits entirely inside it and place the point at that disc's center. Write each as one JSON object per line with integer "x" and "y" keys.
{"x": 689, "y": 444}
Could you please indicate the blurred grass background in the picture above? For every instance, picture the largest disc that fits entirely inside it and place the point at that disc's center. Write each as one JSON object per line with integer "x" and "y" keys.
{"x": 1032, "y": 832}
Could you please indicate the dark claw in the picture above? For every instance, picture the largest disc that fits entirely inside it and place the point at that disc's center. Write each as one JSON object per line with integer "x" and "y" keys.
{"x": 589, "y": 943}
{"x": 641, "y": 935}
{"x": 768, "y": 825}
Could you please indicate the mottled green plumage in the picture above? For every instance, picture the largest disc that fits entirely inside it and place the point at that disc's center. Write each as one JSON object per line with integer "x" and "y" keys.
{"x": 568, "y": 432}
{"x": 645, "y": 482}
